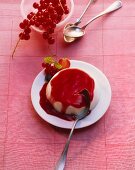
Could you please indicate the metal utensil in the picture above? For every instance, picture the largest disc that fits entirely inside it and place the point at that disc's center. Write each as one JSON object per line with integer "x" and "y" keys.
{"x": 62, "y": 160}
{"x": 76, "y": 32}
{"x": 78, "y": 21}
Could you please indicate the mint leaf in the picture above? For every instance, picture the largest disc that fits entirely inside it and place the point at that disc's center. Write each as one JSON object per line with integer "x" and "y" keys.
{"x": 49, "y": 60}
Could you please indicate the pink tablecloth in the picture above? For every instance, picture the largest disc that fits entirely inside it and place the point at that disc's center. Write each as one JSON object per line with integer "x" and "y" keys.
{"x": 29, "y": 143}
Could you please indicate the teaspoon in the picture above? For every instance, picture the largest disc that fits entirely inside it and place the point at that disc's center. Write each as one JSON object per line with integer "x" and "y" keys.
{"x": 76, "y": 32}
{"x": 62, "y": 160}
{"x": 78, "y": 21}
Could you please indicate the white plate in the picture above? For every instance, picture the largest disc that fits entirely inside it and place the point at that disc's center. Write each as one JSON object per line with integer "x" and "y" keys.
{"x": 96, "y": 113}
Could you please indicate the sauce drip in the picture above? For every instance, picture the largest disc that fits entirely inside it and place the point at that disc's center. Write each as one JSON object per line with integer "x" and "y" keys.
{"x": 48, "y": 108}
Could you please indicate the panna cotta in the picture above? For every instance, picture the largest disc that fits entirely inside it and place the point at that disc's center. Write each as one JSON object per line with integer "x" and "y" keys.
{"x": 63, "y": 91}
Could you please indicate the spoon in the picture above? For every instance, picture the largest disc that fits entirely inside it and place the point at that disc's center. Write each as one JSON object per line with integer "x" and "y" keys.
{"x": 78, "y": 21}
{"x": 62, "y": 160}
{"x": 76, "y": 32}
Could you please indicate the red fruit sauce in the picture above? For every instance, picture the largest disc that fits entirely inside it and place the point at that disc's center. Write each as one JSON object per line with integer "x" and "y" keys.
{"x": 65, "y": 89}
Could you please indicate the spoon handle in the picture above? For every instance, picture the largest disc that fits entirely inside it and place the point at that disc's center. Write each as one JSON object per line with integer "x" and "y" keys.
{"x": 62, "y": 160}
{"x": 79, "y": 19}
{"x": 116, "y": 5}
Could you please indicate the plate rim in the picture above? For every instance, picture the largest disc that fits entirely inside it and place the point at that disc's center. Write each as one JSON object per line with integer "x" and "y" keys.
{"x": 70, "y": 123}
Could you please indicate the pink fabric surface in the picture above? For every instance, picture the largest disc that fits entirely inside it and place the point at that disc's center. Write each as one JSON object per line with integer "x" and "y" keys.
{"x": 29, "y": 143}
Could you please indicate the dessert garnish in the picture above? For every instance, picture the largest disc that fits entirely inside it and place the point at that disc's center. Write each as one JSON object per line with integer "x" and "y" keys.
{"x": 52, "y": 66}
{"x": 60, "y": 95}
{"x": 47, "y": 14}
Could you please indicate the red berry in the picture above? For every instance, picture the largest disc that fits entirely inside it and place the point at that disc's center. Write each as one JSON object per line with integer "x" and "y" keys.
{"x": 32, "y": 22}
{"x": 49, "y": 13}
{"x": 50, "y": 30}
{"x": 46, "y": 14}
{"x": 50, "y": 9}
{"x": 26, "y": 22}
{"x": 66, "y": 10}
{"x": 35, "y": 5}
{"x": 54, "y": 16}
{"x": 43, "y": 65}
{"x": 49, "y": 21}
{"x": 53, "y": 25}
{"x": 45, "y": 35}
{"x": 42, "y": 1}
{"x": 64, "y": 62}
{"x": 22, "y": 25}
{"x": 59, "y": 18}
{"x": 37, "y": 24}
{"x": 21, "y": 36}
{"x": 40, "y": 8}
{"x": 44, "y": 6}
{"x": 44, "y": 24}
{"x": 39, "y": 18}
{"x": 47, "y": 1}
{"x": 59, "y": 10}
{"x": 63, "y": 2}
{"x": 39, "y": 13}
{"x": 32, "y": 13}
{"x": 27, "y": 30}
{"x": 51, "y": 40}
{"x": 29, "y": 16}
{"x": 26, "y": 36}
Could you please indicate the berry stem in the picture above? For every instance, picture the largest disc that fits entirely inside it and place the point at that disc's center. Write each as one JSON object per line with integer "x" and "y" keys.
{"x": 51, "y": 52}
{"x": 61, "y": 5}
{"x": 15, "y": 48}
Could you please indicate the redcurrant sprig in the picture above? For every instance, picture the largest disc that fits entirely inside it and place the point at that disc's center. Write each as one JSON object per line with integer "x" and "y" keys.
{"x": 47, "y": 14}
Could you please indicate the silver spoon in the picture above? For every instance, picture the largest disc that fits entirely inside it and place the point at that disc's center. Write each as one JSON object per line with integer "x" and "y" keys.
{"x": 78, "y": 21}
{"x": 62, "y": 160}
{"x": 76, "y": 32}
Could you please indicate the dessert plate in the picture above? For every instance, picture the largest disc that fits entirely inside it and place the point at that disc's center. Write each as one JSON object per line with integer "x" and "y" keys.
{"x": 104, "y": 97}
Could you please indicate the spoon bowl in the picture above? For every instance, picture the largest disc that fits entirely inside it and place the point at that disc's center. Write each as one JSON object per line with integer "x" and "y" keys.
{"x": 74, "y": 32}
{"x": 69, "y": 39}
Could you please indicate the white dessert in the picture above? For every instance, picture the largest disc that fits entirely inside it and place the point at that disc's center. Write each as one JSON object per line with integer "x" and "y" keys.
{"x": 69, "y": 109}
